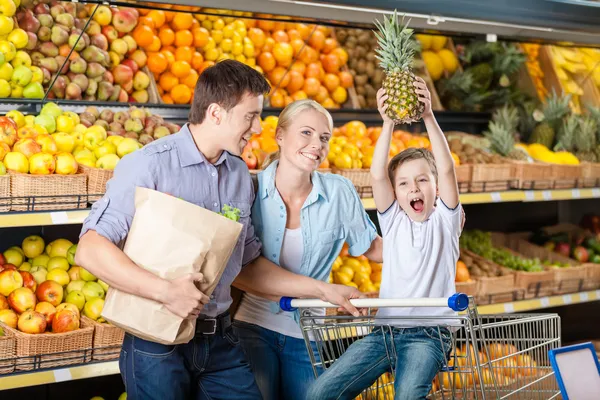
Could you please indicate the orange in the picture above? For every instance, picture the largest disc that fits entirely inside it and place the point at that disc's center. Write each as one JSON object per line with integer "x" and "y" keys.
{"x": 184, "y": 53}
{"x": 169, "y": 55}
{"x": 269, "y": 44}
{"x": 279, "y": 26}
{"x": 266, "y": 61}
{"x": 169, "y": 15}
{"x": 155, "y": 45}
{"x": 190, "y": 80}
{"x": 346, "y": 79}
{"x": 356, "y": 129}
{"x": 313, "y": 70}
{"x": 184, "y": 38}
{"x": 311, "y": 86}
{"x": 206, "y": 64}
{"x": 167, "y": 99}
{"x": 317, "y": 40}
{"x": 321, "y": 95}
{"x": 297, "y": 45}
{"x": 166, "y": 35}
{"x": 331, "y": 63}
{"x": 201, "y": 36}
{"x": 181, "y": 94}
{"x": 339, "y": 95}
{"x": 277, "y": 99}
{"x": 330, "y": 45}
{"x": 331, "y": 82}
{"x": 341, "y": 54}
{"x": 294, "y": 34}
{"x": 299, "y": 67}
{"x": 299, "y": 95}
{"x": 280, "y": 36}
{"x": 287, "y": 100}
{"x": 296, "y": 81}
{"x": 182, "y": 21}
{"x": 181, "y": 69}
{"x": 146, "y": 21}
{"x": 168, "y": 81}
{"x": 455, "y": 158}
{"x": 257, "y": 37}
{"x": 462, "y": 272}
{"x": 304, "y": 31}
{"x": 266, "y": 25}
{"x": 197, "y": 60}
{"x": 308, "y": 55}
{"x": 158, "y": 17}
{"x": 328, "y": 103}
{"x": 157, "y": 62}
{"x": 283, "y": 53}
{"x": 279, "y": 77}
{"x": 143, "y": 35}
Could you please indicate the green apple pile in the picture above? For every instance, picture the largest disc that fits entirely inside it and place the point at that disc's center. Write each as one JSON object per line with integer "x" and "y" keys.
{"x": 42, "y": 290}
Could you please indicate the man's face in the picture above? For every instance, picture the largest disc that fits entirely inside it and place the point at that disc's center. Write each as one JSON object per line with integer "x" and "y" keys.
{"x": 239, "y": 123}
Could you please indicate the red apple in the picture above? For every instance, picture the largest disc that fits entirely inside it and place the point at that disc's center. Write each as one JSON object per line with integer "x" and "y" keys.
{"x": 9, "y": 281}
{"x": 9, "y": 317}
{"x": 48, "y": 310}
{"x": 249, "y": 158}
{"x": 123, "y": 74}
{"x": 9, "y": 267}
{"x": 32, "y": 322}
{"x": 124, "y": 20}
{"x": 68, "y": 306}
{"x": 28, "y": 280}
{"x": 581, "y": 254}
{"x": 2, "y": 259}
{"x": 22, "y": 299}
{"x": 131, "y": 64}
{"x": 563, "y": 248}
{"x": 110, "y": 32}
{"x": 51, "y": 292}
{"x": 65, "y": 321}
{"x": 261, "y": 156}
{"x": 3, "y": 303}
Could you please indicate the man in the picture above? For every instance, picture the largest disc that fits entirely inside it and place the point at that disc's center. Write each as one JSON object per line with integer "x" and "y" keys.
{"x": 199, "y": 165}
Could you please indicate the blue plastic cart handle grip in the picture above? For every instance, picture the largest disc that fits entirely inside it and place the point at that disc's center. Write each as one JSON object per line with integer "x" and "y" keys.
{"x": 285, "y": 303}
{"x": 458, "y": 302}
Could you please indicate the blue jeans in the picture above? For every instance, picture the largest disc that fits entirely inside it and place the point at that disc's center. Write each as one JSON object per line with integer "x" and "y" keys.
{"x": 419, "y": 355}
{"x": 208, "y": 367}
{"x": 281, "y": 364}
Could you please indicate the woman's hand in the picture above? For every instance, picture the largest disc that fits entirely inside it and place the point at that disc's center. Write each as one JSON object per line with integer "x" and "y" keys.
{"x": 339, "y": 295}
{"x": 424, "y": 95}
{"x": 382, "y": 107}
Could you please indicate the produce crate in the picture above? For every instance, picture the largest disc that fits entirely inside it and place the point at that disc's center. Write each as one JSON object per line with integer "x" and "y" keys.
{"x": 5, "y": 200}
{"x": 48, "y": 192}
{"x": 494, "y": 289}
{"x": 48, "y": 350}
{"x": 463, "y": 172}
{"x": 493, "y": 178}
{"x": 7, "y": 352}
{"x": 97, "y": 179}
{"x": 566, "y": 176}
{"x": 153, "y": 95}
{"x": 360, "y": 178}
{"x": 107, "y": 340}
{"x": 534, "y": 175}
{"x": 590, "y": 175}
{"x": 468, "y": 288}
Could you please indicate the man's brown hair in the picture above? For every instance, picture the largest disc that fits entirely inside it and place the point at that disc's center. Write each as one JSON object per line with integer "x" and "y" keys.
{"x": 225, "y": 83}
{"x": 409, "y": 155}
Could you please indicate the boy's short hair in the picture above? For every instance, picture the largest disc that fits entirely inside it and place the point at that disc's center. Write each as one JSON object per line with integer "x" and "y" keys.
{"x": 410, "y": 155}
{"x": 225, "y": 83}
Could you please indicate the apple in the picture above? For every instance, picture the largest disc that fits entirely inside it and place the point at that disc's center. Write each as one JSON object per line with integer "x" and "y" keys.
{"x": 581, "y": 254}
{"x": 57, "y": 262}
{"x": 92, "y": 290}
{"x": 9, "y": 317}
{"x": 93, "y": 308}
{"x": 17, "y": 162}
{"x": 108, "y": 162}
{"x": 103, "y": 16}
{"x": 76, "y": 298}
{"x": 47, "y": 121}
{"x": 40, "y": 261}
{"x": 22, "y": 299}
{"x": 50, "y": 291}
{"x": 6, "y": 267}
{"x": 33, "y": 246}
{"x": 47, "y": 310}
{"x": 123, "y": 396}
{"x": 65, "y": 321}
{"x": 42, "y": 164}
{"x": 3, "y": 303}
{"x": 105, "y": 148}
{"x": 8, "y": 8}
{"x": 68, "y": 306}
{"x": 86, "y": 275}
{"x": 26, "y": 266}
{"x": 92, "y": 139}
{"x": 14, "y": 257}
{"x": 104, "y": 285}
{"x": 75, "y": 273}
{"x": 249, "y": 158}
{"x": 47, "y": 143}
{"x": 32, "y": 322}
{"x": 11, "y": 280}
{"x": 65, "y": 142}
{"x": 28, "y": 280}
{"x": 59, "y": 247}
{"x": 2, "y": 259}
{"x": 39, "y": 274}
{"x": 71, "y": 254}
{"x": 124, "y": 20}
{"x": 75, "y": 285}
{"x": 27, "y": 147}
{"x": 128, "y": 145}
{"x": 59, "y": 275}
{"x": 66, "y": 164}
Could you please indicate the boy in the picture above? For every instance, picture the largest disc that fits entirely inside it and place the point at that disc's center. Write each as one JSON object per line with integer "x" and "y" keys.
{"x": 420, "y": 250}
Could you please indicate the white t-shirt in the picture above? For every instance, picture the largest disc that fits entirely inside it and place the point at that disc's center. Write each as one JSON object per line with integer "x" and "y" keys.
{"x": 256, "y": 310}
{"x": 419, "y": 260}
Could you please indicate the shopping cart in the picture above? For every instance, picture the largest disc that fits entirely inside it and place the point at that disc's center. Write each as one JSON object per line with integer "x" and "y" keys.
{"x": 492, "y": 357}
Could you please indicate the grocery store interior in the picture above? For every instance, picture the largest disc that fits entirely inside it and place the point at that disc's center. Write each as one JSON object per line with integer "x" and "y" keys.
{"x": 515, "y": 86}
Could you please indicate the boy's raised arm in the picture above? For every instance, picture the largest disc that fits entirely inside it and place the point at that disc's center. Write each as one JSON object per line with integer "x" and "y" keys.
{"x": 447, "y": 184}
{"x": 383, "y": 191}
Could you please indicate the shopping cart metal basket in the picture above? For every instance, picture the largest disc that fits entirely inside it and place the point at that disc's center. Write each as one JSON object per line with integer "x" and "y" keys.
{"x": 492, "y": 356}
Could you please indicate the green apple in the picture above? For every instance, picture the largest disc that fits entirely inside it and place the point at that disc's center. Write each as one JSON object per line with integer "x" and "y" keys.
{"x": 71, "y": 254}
{"x": 51, "y": 109}
{"x": 39, "y": 273}
{"x": 128, "y": 145}
{"x": 86, "y": 275}
{"x": 104, "y": 285}
{"x": 93, "y": 308}
{"x": 123, "y": 396}
{"x": 22, "y": 75}
{"x": 41, "y": 260}
{"x": 47, "y": 121}
{"x": 108, "y": 162}
{"x": 14, "y": 257}
{"x": 75, "y": 286}
{"x": 76, "y": 298}
{"x": 16, "y": 248}
{"x": 105, "y": 148}
{"x": 92, "y": 290}
{"x": 57, "y": 262}
{"x": 34, "y": 90}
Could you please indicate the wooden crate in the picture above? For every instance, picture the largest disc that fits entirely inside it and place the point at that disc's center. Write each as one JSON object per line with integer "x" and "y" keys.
{"x": 496, "y": 289}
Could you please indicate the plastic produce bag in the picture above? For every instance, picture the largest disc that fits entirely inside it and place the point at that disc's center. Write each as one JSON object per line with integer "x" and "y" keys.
{"x": 171, "y": 237}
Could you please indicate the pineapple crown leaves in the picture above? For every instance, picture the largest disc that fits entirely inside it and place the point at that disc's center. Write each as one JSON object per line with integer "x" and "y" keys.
{"x": 396, "y": 47}
{"x": 585, "y": 139}
{"x": 556, "y": 107}
{"x": 508, "y": 61}
{"x": 595, "y": 113}
{"x": 458, "y": 83}
{"x": 479, "y": 51}
{"x": 508, "y": 116}
{"x": 566, "y": 135}
{"x": 502, "y": 140}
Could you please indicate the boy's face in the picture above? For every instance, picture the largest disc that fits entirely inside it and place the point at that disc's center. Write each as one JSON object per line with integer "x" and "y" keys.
{"x": 415, "y": 189}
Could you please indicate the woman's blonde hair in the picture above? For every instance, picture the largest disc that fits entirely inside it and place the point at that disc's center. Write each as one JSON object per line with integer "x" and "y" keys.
{"x": 287, "y": 115}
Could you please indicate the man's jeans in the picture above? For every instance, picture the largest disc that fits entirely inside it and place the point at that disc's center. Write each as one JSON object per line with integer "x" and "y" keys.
{"x": 419, "y": 354}
{"x": 280, "y": 363}
{"x": 208, "y": 367}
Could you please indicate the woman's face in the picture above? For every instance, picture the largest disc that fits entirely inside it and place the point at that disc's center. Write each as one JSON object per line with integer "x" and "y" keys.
{"x": 305, "y": 142}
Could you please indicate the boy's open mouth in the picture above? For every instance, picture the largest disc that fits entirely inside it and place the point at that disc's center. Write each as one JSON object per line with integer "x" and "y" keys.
{"x": 417, "y": 205}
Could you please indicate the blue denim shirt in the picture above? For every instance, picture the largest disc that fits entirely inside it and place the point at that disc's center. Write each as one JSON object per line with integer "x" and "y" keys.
{"x": 174, "y": 165}
{"x": 331, "y": 215}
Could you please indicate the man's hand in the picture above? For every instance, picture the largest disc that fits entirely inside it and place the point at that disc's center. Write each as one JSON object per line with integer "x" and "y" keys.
{"x": 339, "y": 295}
{"x": 183, "y": 298}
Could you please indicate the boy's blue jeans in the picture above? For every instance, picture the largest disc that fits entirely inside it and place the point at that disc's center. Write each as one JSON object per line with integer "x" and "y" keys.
{"x": 419, "y": 354}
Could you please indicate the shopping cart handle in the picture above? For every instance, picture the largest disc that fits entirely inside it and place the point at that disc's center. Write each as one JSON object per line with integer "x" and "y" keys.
{"x": 456, "y": 302}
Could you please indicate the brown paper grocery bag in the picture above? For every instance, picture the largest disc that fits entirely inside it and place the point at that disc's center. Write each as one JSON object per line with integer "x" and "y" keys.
{"x": 170, "y": 238}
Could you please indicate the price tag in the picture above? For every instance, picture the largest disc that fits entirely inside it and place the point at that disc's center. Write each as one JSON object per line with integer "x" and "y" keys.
{"x": 59, "y": 217}
{"x": 576, "y": 193}
{"x": 496, "y": 197}
{"x": 509, "y": 308}
{"x": 583, "y": 296}
{"x": 596, "y": 192}
{"x": 545, "y": 301}
{"x": 529, "y": 196}
{"x": 567, "y": 299}
{"x": 547, "y": 195}
{"x": 491, "y": 37}
{"x": 62, "y": 375}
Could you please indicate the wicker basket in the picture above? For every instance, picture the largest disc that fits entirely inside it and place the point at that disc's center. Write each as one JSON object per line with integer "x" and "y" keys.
{"x": 97, "y": 178}
{"x": 48, "y": 350}
{"x": 493, "y": 178}
{"x": 590, "y": 175}
{"x": 107, "y": 340}
{"x": 5, "y": 200}
{"x": 7, "y": 351}
{"x": 358, "y": 176}
{"x": 48, "y": 192}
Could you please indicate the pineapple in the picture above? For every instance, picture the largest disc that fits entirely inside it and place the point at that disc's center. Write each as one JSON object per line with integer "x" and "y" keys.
{"x": 566, "y": 136}
{"x": 595, "y": 113}
{"x": 585, "y": 140}
{"x": 501, "y": 134}
{"x": 395, "y": 54}
{"x": 555, "y": 109}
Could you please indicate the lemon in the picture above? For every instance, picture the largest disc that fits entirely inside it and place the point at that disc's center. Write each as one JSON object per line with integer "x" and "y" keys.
{"x": 425, "y": 41}
{"x": 207, "y": 24}
{"x": 226, "y": 45}
{"x": 249, "y": 50}
{"x": 434, "y": 64}
{"x": 438, "y": 42}
{"x": 361, "y": 277}
{"x": 211, "y": 55}
{"x": 367, "y": 287}
{"x": 211, "y": 44}
{"x": 449, "y": 60}
{"x": 217, "y": 36}
{"x": 352, "y": 263}
{"x": 219, "y": 24}
{"x": 228, "y": 31}
{"x": 238, "y": 48}
{"x": 347, "y": 270}
{"x": 343, "y": 161}
{"x": 342, "y": 278}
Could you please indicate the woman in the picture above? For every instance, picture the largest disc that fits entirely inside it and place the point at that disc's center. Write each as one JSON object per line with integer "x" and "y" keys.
{"x": 303, "y": 218}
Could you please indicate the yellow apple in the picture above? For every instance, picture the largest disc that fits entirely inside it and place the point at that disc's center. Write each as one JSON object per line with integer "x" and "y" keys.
{"x": 66, "y": 164}
{"x": 86, "y": 275}
{"x": 59, "y": 247}
{"x": 26, "y": 266}
{"x": 76, "y": 298}
{"x": 59, "y": 276}
{"x": 58, "y": 262}
{"x": 17, "y": 162}
{"x": 42, "y": 164}
{"x": 41, "y": 260}
{"x": 65, "y": 123}
{"x": 97, "y": 129}
{"x": 33, "y": 246}
{"x": 93, "y": 308}
{"x": 115, "y": 139}
{"x": 48, "y": 144}
{"x": 105, "y": 148}
{"x": 128, "y": 145}
{"x": 108, "y": 162}
{"x": 65, "y": 142}
{"x": 75, "y": 285}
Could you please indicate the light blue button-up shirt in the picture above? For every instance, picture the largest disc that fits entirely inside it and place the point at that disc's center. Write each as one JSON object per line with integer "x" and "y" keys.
{"x": 331, "y": 215}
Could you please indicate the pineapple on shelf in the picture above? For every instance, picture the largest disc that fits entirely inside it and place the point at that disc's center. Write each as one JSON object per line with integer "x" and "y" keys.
{"x": 566, "y": 140}
{"x": 501, "y": 134}
{"x": 396, "y": 53}
{"x": 555, "y": 109}
{"x": 585, "y": 140}
{"x": 595, "y": 113}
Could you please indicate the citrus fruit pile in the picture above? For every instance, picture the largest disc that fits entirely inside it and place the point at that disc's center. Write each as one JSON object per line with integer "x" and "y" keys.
{"x": 357, "y": 272}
